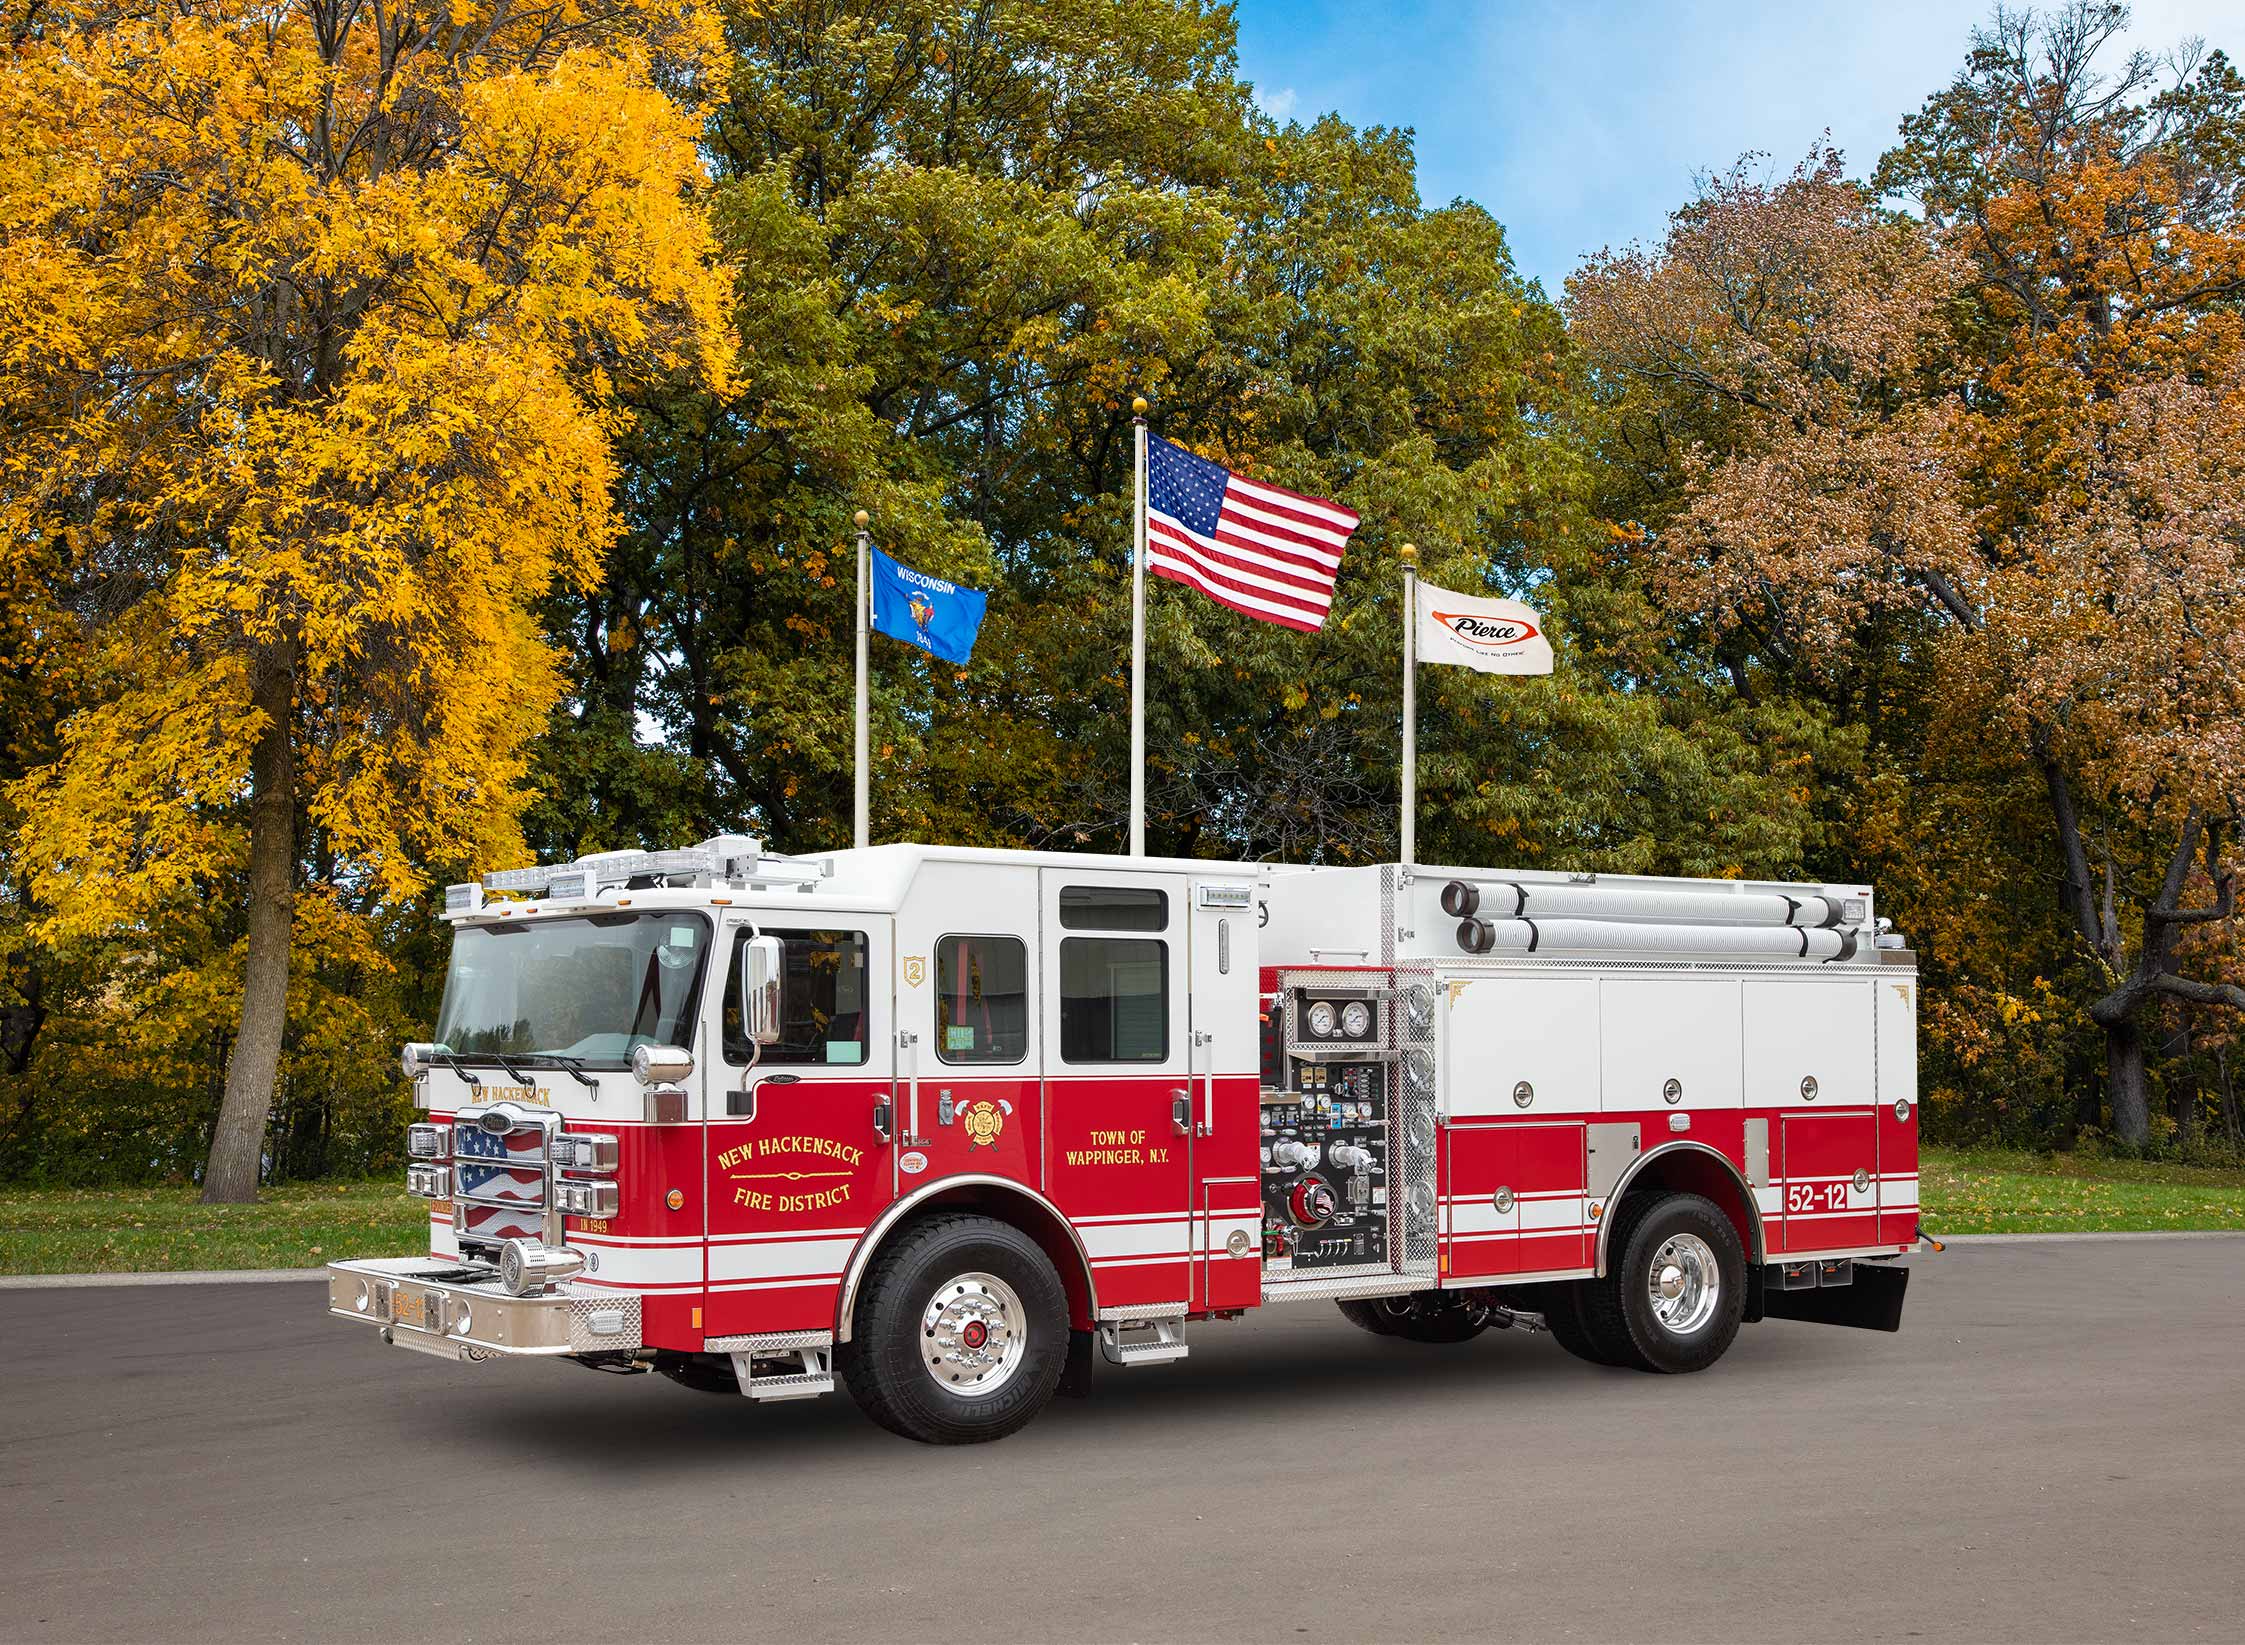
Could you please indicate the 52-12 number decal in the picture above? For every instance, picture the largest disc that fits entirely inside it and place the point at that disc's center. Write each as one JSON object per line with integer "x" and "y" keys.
{"x": 1815, "y": 1196}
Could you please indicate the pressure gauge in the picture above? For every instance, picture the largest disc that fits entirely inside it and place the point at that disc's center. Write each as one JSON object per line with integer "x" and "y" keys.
{"x": 1356, "y": 1021}
{"x": 1321, "y": 1019}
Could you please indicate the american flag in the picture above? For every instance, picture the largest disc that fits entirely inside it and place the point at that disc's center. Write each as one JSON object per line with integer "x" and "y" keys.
{"x": 1257, "y": 548}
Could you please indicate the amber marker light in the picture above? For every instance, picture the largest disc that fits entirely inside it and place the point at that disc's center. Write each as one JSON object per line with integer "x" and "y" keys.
{"x": 675, "y": 1199}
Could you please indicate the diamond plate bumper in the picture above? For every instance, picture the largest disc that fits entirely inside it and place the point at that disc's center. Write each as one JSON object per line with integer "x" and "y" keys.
{"x": 460, "y": 1310}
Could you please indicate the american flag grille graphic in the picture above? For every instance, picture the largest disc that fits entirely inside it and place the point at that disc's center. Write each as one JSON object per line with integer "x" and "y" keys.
{"x": 509, "y": 1168}
{"x": 1268, "y": 552}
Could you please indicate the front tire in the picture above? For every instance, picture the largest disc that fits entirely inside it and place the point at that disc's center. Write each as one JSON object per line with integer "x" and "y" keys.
{"x": 960, "y": 1334}
{"x": 1676, "y": 1293}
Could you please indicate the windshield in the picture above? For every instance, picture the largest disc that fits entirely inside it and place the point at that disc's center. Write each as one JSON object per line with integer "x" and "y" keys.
{"x": 590, "y": 987}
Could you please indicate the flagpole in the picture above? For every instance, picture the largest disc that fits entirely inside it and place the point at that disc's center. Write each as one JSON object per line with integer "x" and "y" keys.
{"x": 1410, "y": 557}
{"x": 1138, "y": 636}
{"x": 863, "y": 833}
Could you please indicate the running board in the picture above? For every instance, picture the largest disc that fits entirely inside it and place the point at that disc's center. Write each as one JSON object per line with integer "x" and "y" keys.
{"x": 1148, "y": 1342}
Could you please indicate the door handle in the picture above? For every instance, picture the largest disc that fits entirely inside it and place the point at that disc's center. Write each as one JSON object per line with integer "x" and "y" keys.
{"x": 1205, "y": 1043}
{"x": 1181, "y": 1112}
{"x": 909, "y": 1043}
{"x": 884, "y": 1118}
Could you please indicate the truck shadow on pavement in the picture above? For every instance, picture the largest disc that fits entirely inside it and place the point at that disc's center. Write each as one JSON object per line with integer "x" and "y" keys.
{"x": 649, "y": 1426}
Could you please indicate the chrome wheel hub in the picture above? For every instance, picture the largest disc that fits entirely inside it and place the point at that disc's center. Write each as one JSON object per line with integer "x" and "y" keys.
{"x": 973, "y": 1334}
{"x": 1684, "y": 1283}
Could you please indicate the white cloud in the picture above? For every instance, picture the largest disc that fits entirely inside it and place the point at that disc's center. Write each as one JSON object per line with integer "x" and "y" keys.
{"x": 1279, "y": 104}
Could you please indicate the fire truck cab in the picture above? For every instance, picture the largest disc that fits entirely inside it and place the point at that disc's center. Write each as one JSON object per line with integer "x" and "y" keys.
{"x": 957, "y": 1125}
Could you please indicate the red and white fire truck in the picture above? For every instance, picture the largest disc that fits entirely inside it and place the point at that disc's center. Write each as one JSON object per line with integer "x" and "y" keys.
{"x": 957, "y": 1125}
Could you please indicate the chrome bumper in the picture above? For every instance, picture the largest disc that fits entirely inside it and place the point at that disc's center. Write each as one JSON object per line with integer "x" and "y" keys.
{"x": 460, "y": 1310}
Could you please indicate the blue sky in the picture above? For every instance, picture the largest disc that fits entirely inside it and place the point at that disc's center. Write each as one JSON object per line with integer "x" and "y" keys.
{"x": 1581, "y": 125}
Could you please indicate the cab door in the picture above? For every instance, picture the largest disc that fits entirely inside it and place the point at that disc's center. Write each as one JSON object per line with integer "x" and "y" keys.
{"x": 798, "y": 1163}
{"x": 967, "y": 1035}
{"x": 1226, "y": 1054}
{"x": 1118, "y": 1064}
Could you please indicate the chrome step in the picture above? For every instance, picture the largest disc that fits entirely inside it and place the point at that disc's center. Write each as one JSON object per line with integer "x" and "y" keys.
{"x": 1143, "y": 1341}
{"x": 765, "y": 1375}
{"x": 803, "y": 1385}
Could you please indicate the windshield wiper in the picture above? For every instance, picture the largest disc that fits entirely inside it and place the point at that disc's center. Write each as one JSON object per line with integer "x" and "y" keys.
{"x": 516, "y": 1062}
{"x": 574, "y": 1067}
{"x": 458, "y": 1064}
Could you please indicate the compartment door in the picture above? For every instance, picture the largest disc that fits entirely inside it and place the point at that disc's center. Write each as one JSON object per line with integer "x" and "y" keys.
{"x": 1898, "y": 1110}
{"x": 1513, "y": 1199}
{"x": 1669, "y": 1043}
{"x": 1830, "y": 1164}
{"x": 1808, "y": 1042}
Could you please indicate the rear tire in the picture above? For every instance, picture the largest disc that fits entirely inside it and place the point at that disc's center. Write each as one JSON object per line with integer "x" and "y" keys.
{"x": 960, "y": 1334}
{"x": 1365, "y": 1317}
{"x": 1676, "y": 1289}
{"x": 1563, "y": 1313}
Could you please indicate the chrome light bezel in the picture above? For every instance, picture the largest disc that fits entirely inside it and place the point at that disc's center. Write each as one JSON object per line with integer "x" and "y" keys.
{"x": 598, "y": 1198}
{"x": 595, "y": 1152}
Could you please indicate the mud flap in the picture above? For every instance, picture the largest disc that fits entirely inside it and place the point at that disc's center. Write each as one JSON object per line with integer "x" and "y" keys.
{"x": 1871, "y": 1302}
{"x": 1083, "y": 1356}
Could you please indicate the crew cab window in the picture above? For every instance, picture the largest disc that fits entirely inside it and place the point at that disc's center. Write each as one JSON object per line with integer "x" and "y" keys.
{"x": 822, "y": 1000}
{"x": 1113, "y": 908}
{"x": 1114, "y": 999}
{"x": 981, "y": 999}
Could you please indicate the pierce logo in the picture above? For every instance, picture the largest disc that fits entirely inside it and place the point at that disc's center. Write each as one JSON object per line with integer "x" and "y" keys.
{"x": 1487, "y": 633}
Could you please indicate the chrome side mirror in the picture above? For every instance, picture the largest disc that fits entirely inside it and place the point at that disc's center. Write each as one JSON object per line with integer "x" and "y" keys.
{"x": 761, "y": 961}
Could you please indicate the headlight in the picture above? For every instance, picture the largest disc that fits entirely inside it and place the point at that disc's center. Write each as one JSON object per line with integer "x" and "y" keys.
{"x": 584, "y": 1151}
{"x": 661, "y": 1064}
{"x": 428, "y": 1141}
{"x": 429, "y": 1181}
{"x": 1321, "y": 1019}
{"x": 586, "y": 1199}
{"x": 1356, "y": 1020}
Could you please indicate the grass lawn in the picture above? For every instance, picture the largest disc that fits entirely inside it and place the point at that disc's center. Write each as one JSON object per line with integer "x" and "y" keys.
{"x": 133, "y": 1230}
{"x": 1991, "y": 1192}
{"x": 142, "y": 1230}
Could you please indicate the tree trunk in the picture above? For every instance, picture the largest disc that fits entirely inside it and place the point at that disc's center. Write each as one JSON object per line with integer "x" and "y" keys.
{"x": 238, "y": 1142}
{"x": 2124, "y": 1083}
{"x": 2229, "y": 1096}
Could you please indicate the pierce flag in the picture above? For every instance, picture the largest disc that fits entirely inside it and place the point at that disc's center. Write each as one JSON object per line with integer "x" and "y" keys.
{"x": 1494, "y": 636}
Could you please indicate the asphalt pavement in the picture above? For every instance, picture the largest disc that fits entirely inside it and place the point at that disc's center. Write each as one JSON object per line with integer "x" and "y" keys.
{"x": 2051, "y": 1449}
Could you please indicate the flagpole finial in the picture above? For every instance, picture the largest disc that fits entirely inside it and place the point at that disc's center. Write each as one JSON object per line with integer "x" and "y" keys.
{"x": 862, "y": 518}
{"x": 1138, "y": 405}
{"x": 1408, "y": 553}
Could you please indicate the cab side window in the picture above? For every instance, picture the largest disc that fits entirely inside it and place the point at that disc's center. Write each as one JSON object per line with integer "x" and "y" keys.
{"x": 981, "y": 999}
{"x": 1114, "y": 991}
{"x": 822, "y": 1000}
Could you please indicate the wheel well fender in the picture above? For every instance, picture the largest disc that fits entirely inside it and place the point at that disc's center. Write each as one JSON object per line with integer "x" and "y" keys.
{"x": 1689, "y": 1168}
{"x": 999, "y": 1199}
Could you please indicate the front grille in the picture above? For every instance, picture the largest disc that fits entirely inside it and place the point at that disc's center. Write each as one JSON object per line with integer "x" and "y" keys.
{"x": 501, "y": 1184}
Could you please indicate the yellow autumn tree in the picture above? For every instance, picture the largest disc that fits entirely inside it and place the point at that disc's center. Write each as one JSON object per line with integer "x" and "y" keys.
{"x": 314, "y": 317}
